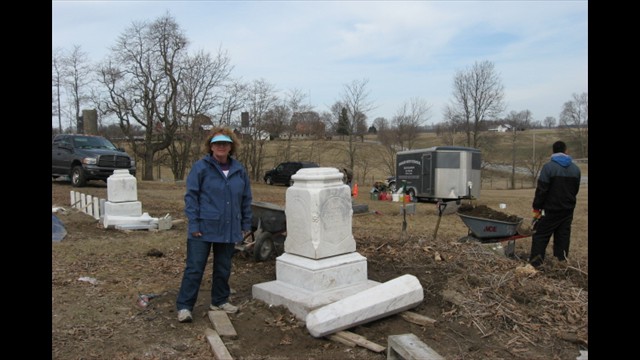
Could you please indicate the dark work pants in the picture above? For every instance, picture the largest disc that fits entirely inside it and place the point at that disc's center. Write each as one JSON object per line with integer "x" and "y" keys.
{"x": 558, "y": 224}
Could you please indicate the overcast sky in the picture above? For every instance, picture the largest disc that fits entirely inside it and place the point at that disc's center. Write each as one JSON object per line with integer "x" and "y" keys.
{"x": 406, "y": 49}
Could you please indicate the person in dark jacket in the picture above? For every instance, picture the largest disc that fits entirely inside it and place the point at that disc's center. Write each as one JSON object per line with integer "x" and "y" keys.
{"x": 553, "y": 205}
{"x": 218, "y": 209}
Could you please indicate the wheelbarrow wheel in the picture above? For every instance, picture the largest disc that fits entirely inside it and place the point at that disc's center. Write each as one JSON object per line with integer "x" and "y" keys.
{"x": 263, "y": 246}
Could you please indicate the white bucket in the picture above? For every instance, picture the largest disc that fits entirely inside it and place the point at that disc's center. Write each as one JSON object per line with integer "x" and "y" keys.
{"x": 395, "y": 197}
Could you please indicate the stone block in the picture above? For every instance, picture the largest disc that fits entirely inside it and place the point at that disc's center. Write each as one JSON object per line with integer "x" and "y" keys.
{"x": 122, "y": 186}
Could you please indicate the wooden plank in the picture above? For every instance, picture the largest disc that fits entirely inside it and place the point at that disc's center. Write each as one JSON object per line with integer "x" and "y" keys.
{"x": 340, "y": 339}
{"x": 220, "y": 351}
{"x": 417, "y": 318}
{"x": 410, "y": 347}
{"x": 221, "y": 323}
{"x": 360, "y": 340}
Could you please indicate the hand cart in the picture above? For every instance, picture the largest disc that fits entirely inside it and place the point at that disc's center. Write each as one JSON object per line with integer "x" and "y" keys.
{"x": 493, "y": 231}
{"x": 268, "y": 229}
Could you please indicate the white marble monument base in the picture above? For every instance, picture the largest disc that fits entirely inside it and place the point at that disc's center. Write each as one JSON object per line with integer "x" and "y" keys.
{"x": 304, "y": 284}
{"x": 131, "y": 208}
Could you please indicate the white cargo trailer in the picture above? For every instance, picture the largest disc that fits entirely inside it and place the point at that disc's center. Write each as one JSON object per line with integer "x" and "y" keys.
{"x": 440, "y": 173}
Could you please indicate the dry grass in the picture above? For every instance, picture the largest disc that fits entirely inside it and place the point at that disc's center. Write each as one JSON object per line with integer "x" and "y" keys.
{"x": 486, "y": 306}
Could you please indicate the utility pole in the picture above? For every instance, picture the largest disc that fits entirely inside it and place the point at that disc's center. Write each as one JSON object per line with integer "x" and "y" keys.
{"x": 534, "y": 148}
{"x": 513, "y": 159}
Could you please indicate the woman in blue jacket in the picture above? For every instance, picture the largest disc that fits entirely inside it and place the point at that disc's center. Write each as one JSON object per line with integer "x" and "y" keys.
{"x": 218, "y": 209}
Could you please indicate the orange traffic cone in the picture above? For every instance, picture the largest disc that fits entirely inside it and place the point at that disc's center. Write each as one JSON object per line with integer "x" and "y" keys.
{"x": 355, "y": 190}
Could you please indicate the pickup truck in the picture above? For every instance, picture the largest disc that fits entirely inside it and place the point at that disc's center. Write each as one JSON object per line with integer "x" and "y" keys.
{"x": 87, "y": 157}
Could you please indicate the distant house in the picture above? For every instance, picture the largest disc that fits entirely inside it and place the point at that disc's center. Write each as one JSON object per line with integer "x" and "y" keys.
{"x": 251, "y": 133}
{"x": 502, "y": 128}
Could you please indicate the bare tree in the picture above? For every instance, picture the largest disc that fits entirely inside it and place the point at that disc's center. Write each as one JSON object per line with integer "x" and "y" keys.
{"x": 278, "y": 121}
{"x": 142, "y": 77}
{"x": 517, "y": 120}
{"x": 408, "y": 120}
{"x": 334, "y": 120}
{"x": 478, "y": 95}
{"x": 574, "y": 120}
{"x": 261, "y": 99}
{"x": 313, "y": 125}
{"x": 389, "y": 148}
{"x": 77, "y": 76}
{"x": 200, "y": 90}
{"x": 295, "y": 110}
{"x": 534, "y": 165}
{"x": 549, "y": 122}
{"x": 327, "y": 119}
{"x": 56, "y": 82}
{"x": 356, "y": 102}
{"x": 453, "y": 125}
{"x": 235, "y": 97}
{"x": 380, "y": 123}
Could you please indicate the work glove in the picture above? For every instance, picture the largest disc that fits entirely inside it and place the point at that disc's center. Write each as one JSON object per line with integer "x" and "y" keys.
{"x": 537, "y": 214}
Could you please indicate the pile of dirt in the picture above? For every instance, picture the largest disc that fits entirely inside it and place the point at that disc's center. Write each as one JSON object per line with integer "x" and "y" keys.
{"x": 485, "y": 212}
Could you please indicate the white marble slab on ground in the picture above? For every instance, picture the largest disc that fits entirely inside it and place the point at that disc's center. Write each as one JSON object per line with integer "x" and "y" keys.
{"x": 391, "y": 297}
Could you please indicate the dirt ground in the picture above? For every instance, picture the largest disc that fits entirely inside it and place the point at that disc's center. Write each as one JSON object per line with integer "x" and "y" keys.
{"x": 486, "y": 305}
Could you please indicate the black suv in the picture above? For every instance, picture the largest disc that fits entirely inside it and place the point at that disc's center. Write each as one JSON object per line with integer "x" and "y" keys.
{"x": 281, "y": 174}
{"x": 87, "y": 157}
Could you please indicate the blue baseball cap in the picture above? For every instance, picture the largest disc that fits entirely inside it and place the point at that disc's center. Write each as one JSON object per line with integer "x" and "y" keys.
{"x": 221, "y": 138}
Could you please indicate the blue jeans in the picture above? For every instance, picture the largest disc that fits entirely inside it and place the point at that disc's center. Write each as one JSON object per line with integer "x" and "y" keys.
{"x": 197, "y": 256}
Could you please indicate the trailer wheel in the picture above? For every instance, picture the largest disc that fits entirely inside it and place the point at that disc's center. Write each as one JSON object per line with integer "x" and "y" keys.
{"x": 263, "y": 246}
{"x": 412, "y": 193}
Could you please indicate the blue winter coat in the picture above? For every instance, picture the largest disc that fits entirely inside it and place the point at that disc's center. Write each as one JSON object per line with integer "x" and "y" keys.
{"x": 216, "y": 205}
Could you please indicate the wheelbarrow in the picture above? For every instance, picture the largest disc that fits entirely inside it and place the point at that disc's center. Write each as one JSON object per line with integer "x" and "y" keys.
{"x": 268, "y": 229}
{"x": 494, "y": 231}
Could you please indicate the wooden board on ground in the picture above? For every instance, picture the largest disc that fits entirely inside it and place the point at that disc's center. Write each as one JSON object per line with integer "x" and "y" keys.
{"x": 221, "y": 323}
{"x": 417, "y": 318}
{"x": 360, "y": 340}
{"x": 220, "y": 351}
{"x": 341, "y": 340}
{"x": 409, "y": 347}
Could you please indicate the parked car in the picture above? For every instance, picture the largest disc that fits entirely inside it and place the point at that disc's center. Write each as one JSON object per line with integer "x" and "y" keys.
{"x": 282, "y": 173}
{"x": 87, "y": 157}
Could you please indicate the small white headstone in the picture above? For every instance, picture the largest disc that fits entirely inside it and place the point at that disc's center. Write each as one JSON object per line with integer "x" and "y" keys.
{"x": 122, "y": 186}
